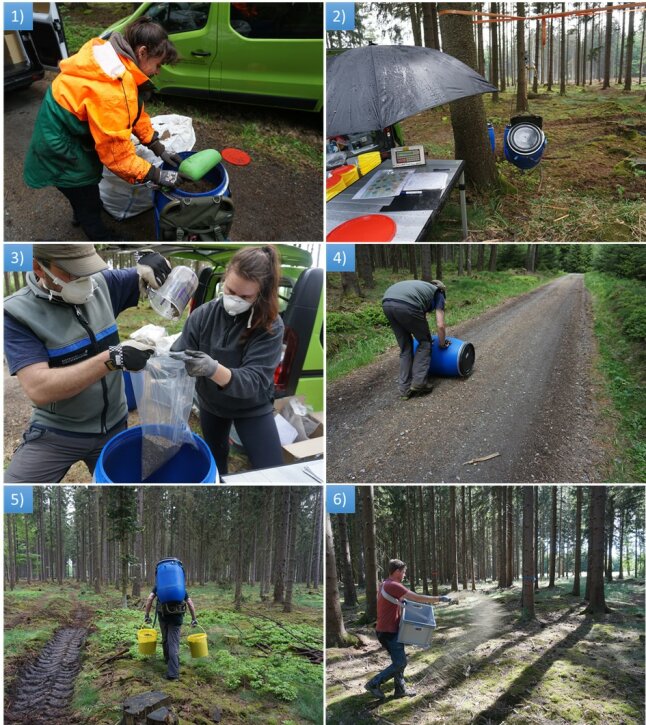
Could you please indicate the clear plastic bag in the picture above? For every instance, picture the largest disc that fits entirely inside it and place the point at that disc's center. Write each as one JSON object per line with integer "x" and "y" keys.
{"x": 164, "y": 412}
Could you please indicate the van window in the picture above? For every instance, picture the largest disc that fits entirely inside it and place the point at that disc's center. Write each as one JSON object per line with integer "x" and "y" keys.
{"x": 285, "y": 21}
{"x": 180, "y": 17}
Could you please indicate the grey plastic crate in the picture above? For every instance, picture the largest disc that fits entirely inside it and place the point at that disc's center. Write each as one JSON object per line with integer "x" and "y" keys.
{"x": 416, "y": 624}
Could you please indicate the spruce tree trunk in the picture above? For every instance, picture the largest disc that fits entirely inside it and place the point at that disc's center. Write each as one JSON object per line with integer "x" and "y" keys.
{"x": 576, "y": 587}
{"x": 335, "y": 634}
{"x": 529, "y": 573}
{"x": 596, "y": 592}
{"x": 630, "y": 42}
{"x": 468, "y": 116}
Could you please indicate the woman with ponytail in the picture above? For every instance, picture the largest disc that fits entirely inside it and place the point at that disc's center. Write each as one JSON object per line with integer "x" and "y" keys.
{"x": 232, "y": 345}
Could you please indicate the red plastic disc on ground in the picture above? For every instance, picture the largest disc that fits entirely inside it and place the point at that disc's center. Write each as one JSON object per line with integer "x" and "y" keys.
{"x": 369, "y": 228}
{"x": 236, "y": 157}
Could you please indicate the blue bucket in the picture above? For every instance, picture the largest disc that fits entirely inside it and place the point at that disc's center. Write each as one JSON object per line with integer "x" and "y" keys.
{"x": 492, "y": 136}
{"x": 218, "y": 176}
{"x": 456, "y": 360}
{"x": 120, "y": 461}
{"x": 524, "y": 144}
{"x": 130, "y": 392}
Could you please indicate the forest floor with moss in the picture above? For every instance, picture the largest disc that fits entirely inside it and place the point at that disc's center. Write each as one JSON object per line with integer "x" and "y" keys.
{"x": 485, "y": 666}
{"x": 252, "y": 674}
{"x": 584, "y": 188}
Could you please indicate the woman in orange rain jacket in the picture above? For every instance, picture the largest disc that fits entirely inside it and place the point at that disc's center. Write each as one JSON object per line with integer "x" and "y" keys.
{"x": 88, "y": 115}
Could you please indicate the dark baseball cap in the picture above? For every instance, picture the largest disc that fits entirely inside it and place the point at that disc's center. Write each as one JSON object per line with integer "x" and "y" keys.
{"x": 81, "y": 260}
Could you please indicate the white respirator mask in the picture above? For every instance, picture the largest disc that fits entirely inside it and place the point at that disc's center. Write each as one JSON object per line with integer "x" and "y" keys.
{"x": 76, "y": 292}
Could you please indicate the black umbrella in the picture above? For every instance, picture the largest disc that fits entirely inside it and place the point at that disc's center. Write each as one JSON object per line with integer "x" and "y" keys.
{"x": 373, "y": 87}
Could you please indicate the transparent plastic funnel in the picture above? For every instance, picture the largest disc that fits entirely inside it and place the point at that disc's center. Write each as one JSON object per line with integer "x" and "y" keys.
{"x": 171, "y": 298}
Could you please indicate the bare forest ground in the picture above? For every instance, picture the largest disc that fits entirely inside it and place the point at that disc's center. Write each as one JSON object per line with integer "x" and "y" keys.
{"x": 484, "y": 666}
{"x": 584, "y": 188}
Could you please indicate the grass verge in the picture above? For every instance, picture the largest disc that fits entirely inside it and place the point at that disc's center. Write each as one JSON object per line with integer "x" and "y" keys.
{"x": 620, "y": 326}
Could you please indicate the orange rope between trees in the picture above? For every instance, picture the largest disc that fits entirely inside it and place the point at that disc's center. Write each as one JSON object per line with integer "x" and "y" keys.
{"x": 498, "y": 18}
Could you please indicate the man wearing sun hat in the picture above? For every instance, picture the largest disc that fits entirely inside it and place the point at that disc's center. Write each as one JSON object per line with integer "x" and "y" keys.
{"x": 62, "y": 343}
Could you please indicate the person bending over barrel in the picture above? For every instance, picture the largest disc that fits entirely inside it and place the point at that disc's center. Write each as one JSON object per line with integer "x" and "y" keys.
{"x": 88, "y": 115}
{"x": 405, "y": 305}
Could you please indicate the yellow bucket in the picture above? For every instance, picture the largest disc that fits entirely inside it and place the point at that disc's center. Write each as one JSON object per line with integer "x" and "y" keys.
{"x": 198, "y": 645}
{"x": 147, "y": 641}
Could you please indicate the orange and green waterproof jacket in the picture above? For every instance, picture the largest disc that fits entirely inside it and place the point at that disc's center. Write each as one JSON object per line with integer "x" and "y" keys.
{"x": 86, "y": 119}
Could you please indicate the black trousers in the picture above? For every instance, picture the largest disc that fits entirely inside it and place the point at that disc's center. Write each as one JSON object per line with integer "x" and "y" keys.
{"x": 259, "y": 437}
{"x": 407, "y": 322}
{"x": 87, "y": 207}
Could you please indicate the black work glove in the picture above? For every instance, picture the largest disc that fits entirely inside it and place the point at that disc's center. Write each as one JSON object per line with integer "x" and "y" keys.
{"x": 152, "y": 269}
{"x": 130, "y": 355}
{"x": 158, "y": 148}
{"x": 147, "y": 619}
{"x": 446, "y": 343}
{"x": 194, "y": 623}
{"x": 161, "y": 177}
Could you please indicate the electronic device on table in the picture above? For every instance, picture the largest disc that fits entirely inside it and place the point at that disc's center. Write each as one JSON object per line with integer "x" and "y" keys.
{"x": 407, "y": 156}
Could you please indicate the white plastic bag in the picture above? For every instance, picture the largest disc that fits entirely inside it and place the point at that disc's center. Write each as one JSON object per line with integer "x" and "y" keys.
{"x": 164, "y": 412}
{"x": 123, "y": 200}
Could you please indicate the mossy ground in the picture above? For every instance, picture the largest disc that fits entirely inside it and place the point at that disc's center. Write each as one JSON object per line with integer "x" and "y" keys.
{"x": 582, "y": 190}
{"x": 251, "y": 673}
{"x": 485, "y": 666}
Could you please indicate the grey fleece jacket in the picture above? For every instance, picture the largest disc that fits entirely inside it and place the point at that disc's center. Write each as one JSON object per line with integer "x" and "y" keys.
{"x": 252, "y": 360}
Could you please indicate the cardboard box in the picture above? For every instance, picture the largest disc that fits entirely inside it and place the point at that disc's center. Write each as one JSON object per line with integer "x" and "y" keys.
{"x": 314, "y": 446}
{"x": 305, "y": 450}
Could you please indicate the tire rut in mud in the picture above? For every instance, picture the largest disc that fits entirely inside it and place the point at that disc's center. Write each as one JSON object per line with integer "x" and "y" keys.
{"x": 44, "y": 689}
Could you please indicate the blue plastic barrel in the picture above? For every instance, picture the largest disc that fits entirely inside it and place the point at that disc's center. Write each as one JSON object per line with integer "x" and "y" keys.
{"x": 492, "y": 136}
{"x": 130, "y": 392}
{"x": 456, "y": 360}
{"x": 120, "y": 461}
{"x": 524, "y": 144}
{"x": 218, "y": 176}
{"x": 170, "y": 581}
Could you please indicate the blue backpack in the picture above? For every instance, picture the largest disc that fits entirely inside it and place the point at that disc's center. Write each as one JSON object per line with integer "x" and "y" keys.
{"x": 170, "y": 580}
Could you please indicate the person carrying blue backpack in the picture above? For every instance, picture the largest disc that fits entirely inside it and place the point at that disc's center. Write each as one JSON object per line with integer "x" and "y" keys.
{"x": 172, "y": 602}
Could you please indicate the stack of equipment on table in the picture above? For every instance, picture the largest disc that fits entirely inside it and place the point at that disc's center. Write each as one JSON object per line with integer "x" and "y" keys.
{"x": 300, "y": 430}
{"x": 123, "y": 200}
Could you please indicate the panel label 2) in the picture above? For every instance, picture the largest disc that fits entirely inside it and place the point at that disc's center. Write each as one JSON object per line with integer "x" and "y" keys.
{"x": 340, "y": 257}
{"x": 340, "y": 499}
{"x": 339, "y": 16}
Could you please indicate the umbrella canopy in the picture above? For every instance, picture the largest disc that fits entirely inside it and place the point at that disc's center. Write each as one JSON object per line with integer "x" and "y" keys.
{"x": 373, "y": 87}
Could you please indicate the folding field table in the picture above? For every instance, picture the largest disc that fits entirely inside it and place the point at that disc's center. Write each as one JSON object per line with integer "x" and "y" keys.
{"x": 414, "y": 213}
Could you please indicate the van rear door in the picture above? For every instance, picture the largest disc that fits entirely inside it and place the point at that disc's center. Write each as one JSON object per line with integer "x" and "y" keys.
{"x": 270, "y": 54}
{"x": 48, "y": 35}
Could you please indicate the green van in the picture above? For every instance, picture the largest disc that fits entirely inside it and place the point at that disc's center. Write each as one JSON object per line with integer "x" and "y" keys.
{"x": 300, "y": 371}
{"x": 261, "y": 53}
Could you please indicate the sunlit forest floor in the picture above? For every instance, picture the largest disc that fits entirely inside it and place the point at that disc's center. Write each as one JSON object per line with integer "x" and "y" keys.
{"x": 252, "y": 673}
{"x": 584, "y": 188}
{"x": 484, "y": 666}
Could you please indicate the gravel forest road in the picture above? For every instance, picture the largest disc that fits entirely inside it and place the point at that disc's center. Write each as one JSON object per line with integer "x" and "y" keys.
{"x": 531, "y": 398}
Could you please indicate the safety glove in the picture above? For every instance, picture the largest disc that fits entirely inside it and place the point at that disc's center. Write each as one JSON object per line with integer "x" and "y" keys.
{"x": 161, "y": 177}
{"x": 152, "y": 269}
{"x": 147, "y": 619}
{"x": 130, "y": 355}
{"x": 198, "y": 364}
{"x": 158, "y": 148}
{"x": 194, "y": 623}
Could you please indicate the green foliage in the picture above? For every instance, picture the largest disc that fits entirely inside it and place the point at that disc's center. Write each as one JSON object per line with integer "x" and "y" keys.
{"x": 279, "y": 675}
{"x": 117, "y": 627}
{"x": 620, "y": 325}
{"x": 623, "y": 260}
